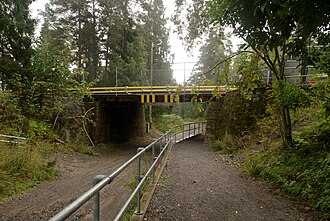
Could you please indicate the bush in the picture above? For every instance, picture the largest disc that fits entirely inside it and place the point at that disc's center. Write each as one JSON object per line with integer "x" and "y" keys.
{"x": 301, "y": 171}
{"x": 22, "y": 168}
{"x": 11, "y": 117}
{"x": 291, "y": 96}
{"x": 167, "y": 121}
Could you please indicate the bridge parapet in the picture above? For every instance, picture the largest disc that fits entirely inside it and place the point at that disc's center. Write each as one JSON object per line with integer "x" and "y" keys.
{"x": 158, "y": 94}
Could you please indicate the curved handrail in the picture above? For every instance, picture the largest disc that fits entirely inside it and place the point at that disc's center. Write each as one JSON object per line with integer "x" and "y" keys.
{"x": 101, "y": 181}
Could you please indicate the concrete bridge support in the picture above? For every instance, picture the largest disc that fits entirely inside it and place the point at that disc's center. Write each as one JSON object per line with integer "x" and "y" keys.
{"x": 118, "y": 121}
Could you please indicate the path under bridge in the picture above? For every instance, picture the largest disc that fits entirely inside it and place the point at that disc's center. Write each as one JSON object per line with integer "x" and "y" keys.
{"x": 119, "y": 111}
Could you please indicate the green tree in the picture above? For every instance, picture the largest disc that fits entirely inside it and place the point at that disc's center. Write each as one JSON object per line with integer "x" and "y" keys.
{"x": 217, "y": 47}
{"x": 157, "y": 35}
{"x": 273, "y": 29}
{"x": 51, "y": 65}
{"x": 16, "y": 32}
{"x": 123, "y": 47}
{"x": 79, "y": 17}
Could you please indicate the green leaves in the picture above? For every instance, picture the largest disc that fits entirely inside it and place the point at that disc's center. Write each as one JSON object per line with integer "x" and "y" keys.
{"x": 291, "y": 96}
{"x": 15, "y": 48}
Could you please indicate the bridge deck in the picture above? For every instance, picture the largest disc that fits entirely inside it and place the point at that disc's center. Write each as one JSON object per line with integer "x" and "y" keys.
{"x": 158, "y": 94}
{"x": 158, "y": 89}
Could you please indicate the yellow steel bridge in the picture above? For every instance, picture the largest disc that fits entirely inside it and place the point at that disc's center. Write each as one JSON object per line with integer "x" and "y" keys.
{"x": 158, "y": 94}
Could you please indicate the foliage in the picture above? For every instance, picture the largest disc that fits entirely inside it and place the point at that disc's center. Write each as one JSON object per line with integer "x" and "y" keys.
{"x": 111, "y": 43}
{"x": 10, "y": 114}
{"x": 272, "y": 29}
{"x": 22, "y": 168}
{"x": 167, "y": 121}
{"x": 227, "y": 145}
{"x": 290, "y": 96}
{"x": 216, "y": 48}
{"x": 301, "y": 171}
{"x": 16, "y": 51}
{"x": 25, "y": 166}
{"x": 38, "y": 130}
{"x": 250, "y": 72}
{"x": 190, "y": 110}
{"x": 51, "y": 65}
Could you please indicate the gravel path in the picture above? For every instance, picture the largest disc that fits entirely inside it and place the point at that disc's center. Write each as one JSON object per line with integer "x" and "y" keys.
{"x": 76, "y": 174}
{"x": 201, "y": 185}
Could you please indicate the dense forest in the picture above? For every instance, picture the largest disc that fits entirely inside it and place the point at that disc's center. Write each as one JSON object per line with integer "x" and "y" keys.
{"x": 84, "y": 43}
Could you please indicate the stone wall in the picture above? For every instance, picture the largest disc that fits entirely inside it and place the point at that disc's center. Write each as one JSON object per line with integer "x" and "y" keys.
{"x": 234, "y": 115}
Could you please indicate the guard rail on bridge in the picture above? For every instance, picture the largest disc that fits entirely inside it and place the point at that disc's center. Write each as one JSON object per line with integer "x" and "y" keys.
{"x": 138, "y": 90}
{"x": 174, "y": 135}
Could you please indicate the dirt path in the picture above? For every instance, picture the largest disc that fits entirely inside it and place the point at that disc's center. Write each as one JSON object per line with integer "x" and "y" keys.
{"x": 76, "y": 174}
{"x": 200, "y": 185}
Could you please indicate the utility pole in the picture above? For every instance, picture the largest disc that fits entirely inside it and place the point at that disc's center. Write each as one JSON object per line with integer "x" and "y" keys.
{"x": 151, "y": 73}
{"x": 184, "y": 89}
{"x": 151, "y": 61}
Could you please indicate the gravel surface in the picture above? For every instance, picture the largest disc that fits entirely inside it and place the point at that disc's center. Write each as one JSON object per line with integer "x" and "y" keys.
{"x": 199, "y": 184}
{"x": 76, "y": 175}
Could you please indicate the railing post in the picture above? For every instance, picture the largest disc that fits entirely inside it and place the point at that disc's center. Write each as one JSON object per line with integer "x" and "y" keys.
{"x": 194, "y": 129}
{"x": 175, "y": 134}
{"x": 153, "y": 160}
{"x": 160, "y": 143}
{"x": 189, "y": 131}
{"x": 96, "y": 200}
{"x": 138, "y": 179}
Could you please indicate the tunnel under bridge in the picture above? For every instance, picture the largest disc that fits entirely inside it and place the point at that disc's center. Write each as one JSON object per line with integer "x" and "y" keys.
{"x": 120, "y": 111}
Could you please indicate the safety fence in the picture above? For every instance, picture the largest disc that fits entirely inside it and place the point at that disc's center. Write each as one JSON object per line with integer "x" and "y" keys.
{"x": 12, "y": 139}
{"x": 174, "y": 135}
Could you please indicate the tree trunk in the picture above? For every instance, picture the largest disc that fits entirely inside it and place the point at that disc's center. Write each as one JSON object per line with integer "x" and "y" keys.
{"x": 95, "y": 56}
{"x": 285, "y": 111}
{"x": 286, "y": 131}
{"x": 286, "y": 126}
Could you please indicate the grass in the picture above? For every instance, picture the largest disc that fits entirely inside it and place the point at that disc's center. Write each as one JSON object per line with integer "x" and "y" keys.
{"x": 166, "y": 121}
{"x": 132, "y": 185}
{"x": 301, "y": 171}
{"x": 232, "y": 144}
{"x": 23, "y": 167}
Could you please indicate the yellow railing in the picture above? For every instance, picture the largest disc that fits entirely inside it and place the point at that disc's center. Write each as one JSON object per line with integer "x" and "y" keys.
{"x": 159, "y": 89}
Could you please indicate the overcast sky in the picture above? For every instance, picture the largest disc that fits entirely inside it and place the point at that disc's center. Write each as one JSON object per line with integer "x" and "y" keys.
{"x": 183, "y": 61}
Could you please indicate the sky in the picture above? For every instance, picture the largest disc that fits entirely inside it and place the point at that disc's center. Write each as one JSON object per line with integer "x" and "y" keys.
{"x": 183, "y": 62}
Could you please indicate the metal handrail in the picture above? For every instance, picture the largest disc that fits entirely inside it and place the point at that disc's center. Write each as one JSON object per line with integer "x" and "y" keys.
{"x": 12, "y": 139}
{"x": 157, "y": 89}
{"x": 100, "y": 181}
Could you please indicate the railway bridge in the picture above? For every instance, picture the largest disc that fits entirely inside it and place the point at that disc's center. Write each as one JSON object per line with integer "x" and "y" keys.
{"x": 120, "y": 111}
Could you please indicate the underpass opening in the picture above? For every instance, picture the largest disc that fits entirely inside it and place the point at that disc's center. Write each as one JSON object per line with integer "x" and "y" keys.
{"x": 119, "y": 121}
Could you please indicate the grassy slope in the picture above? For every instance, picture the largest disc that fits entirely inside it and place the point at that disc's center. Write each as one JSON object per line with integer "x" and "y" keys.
{"x": 303, "y": 170}
{"x": 23, "y": 167}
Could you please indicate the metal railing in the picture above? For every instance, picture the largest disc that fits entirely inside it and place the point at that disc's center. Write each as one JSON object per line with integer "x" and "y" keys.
{"x": 137, "y": 90}
{"x": 12, "y": 139}
{"x": 174, "y": 135}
